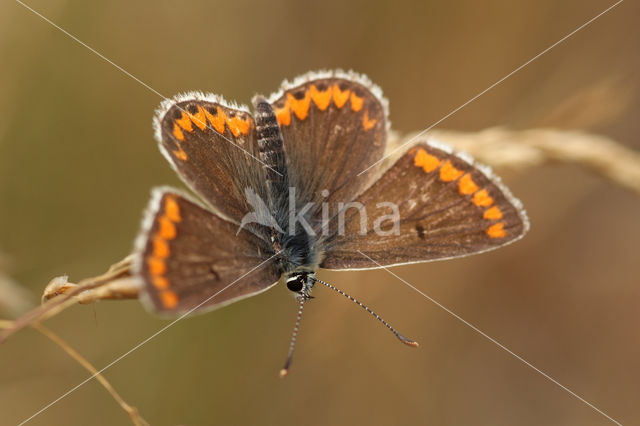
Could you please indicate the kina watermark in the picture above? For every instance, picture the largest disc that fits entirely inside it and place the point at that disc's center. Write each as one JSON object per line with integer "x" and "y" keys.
{"x": 327, "y": 217}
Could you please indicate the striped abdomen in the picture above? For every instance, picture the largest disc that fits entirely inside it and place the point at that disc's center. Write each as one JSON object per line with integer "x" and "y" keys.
{"x": 271, "y": 153}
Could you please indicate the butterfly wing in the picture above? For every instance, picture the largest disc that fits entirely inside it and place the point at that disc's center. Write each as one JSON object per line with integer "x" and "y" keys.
{"x": 447, "y": 207}
{"x": 188, "y": 258}
{"x": 333, "y": 125}
{"x": 213, "y": 148}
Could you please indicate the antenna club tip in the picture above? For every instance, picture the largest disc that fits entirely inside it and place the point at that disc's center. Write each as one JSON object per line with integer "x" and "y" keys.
{"x": 283, "y": 372}
{"x": 407, "y": 341}
{"x": 410, "y": 343}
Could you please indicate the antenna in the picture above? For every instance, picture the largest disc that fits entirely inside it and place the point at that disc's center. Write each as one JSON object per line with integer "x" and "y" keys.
{"x": 402, "y": 338}
{"x": 285, "y": 369}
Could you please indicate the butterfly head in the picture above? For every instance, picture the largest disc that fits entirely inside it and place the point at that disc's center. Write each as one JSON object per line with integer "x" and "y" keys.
{"x": 301, "y": 283}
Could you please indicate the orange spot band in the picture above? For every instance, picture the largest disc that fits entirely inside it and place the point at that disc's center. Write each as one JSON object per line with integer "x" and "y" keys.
{"x": 169, "y": 299}
{"x": 217, "y": 121}
{"x": 339, "y": 96}
{"x": 466, "y": 185}
{"x": 237, "y": 125}
{"x": 449, "y": 173}
{"x": 321, "y": 99}
{"x": 482, "y": 198}
{"x": 496, "y": 231}
{"x": 427, "y": 161}
{"x": 283, "y": 115}
{"x": 180, "y": 154}
{"x": 494, "y": 213}
{"x": 356, "y": 102}
{"x": 368, "y": 124}
{"x": 300, "y": 107}
{"x": 185, "y": 122}
{"x": 156, "y": 266}
{"x": 243, "y": 125}
{"x": 167, "y": 230}
{"x": 172, "y": 210}
{"x": 160, "y": 247}
{"x": 159, "y": 282}
{"x": 199, "y": 118}
{"x": 177, "y": 132}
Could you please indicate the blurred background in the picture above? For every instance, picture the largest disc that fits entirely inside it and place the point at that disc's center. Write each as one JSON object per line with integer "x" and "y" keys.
{"x": 78, "y": 160}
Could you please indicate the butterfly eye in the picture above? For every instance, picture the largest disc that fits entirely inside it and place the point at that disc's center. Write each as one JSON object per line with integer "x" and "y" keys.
{"x": 295, "y": 283}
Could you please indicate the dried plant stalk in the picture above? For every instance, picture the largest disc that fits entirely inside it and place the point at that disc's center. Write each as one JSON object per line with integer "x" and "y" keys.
{"x": 59, "y": 294}
{"x": 129, "y": 409}
{"x": 522, "y": 149}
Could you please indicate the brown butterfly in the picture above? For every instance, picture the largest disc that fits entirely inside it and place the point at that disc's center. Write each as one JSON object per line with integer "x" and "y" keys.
{"x": 284, "y": 194}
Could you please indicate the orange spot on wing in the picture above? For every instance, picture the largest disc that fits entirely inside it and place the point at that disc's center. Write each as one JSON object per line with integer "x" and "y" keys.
{"x": 160, "y": 247}
{"x": 177, "y": 132}
{"x": 171, "y": 209}
{"x": 482, "y": 198}
{"x": 449, "y": 173}
{"x": 339, "y": 96}
{"x": 232, "y": 123}
{"x": 425, "y": 160}
{"x": 493, "y": 213}
{"x": 237, "y": 125}
{"x": 356, "y": 102}
{"x": 368, "y": 124}
{"x": 300, "y": 106}
{"x": 180, "y": 154}
{"x": 283, "y": 115}
{"x": 156, "y": 266}
{"x": 199, "y": 118}
{"x": 185, "y": 122}
{"x": 466, "y": 185}
{"x": 243, "y": 125}
{"x": 159, "y": 282}
{"x": 166, "y": 229}
{"x": 321, "y": 99}
{"x": 169, "y": 299}
{"x": 496, "y": 231}
{"x": 218, "y": 120}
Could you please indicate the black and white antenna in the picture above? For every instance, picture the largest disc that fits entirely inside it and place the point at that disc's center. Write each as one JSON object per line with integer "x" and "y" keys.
{"x": 302, "y": 298}
{"x": 402, "y": 338}
{"x": 292, "y": 345}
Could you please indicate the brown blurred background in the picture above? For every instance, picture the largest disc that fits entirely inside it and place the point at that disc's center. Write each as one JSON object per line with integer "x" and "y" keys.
{"x": 78, "y": 159}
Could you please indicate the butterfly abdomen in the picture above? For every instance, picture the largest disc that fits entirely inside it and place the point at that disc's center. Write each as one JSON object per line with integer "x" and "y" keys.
{"x": 270, "y": 145}
{"x": 272, "y": 155}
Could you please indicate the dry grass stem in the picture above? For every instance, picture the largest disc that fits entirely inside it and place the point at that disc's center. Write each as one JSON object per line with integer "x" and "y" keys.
{"x": 60, "y": 294}
{"x": 522, "y": 149}
{"x": 130, "y": 410}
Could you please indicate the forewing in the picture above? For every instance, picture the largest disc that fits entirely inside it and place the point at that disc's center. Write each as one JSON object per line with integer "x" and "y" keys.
{"x": 334, "y": 126}
{"x": 448, "y": 207}
{"x": 189, "y": 258}
{"x": 213, "y": 148}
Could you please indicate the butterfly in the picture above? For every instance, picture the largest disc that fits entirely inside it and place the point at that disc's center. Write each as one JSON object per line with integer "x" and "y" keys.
{"x": 297, "y": 186}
